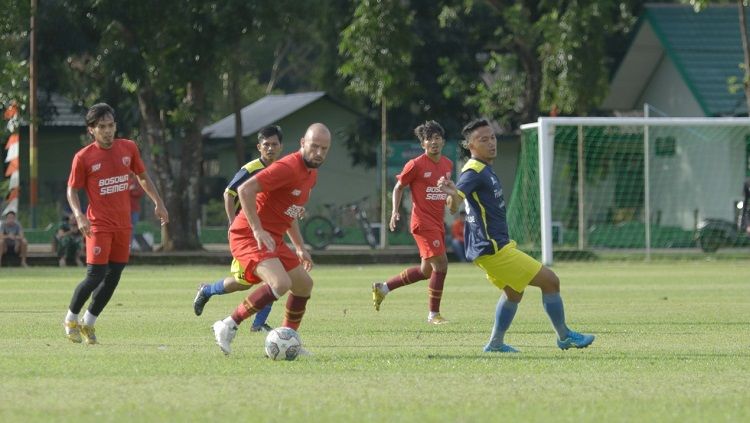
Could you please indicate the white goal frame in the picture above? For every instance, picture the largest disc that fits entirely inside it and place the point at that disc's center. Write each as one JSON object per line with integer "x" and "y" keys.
{"x": 546, "y": 134}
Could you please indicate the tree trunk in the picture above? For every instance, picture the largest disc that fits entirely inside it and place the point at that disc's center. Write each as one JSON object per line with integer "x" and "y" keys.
{"x": 533, "y": 83}
{"x": 234, "y": 84}
{"x": 745, "y": 51}
{"x": 383, "y": 176}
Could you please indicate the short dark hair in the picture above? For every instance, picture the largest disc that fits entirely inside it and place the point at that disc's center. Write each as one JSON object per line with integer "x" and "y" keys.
{"x": 426, "y": 130}
{"x": 10, "y": 212}
{"x": 98, "y": 111}
{"x": 473, "y": 126}
{"x": 270, "y": 131}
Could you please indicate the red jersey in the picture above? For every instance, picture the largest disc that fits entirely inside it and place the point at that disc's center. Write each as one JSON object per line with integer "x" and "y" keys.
{"x": 286, "y": 185}
{"x": 104, "y": 174}
{"x": 421, "y": 175}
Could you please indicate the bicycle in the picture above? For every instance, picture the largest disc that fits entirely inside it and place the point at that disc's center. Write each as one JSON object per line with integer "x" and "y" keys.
{"x": 320, "y": 231}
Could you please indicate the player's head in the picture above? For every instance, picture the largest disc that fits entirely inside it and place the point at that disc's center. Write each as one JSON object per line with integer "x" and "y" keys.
{"x": 479, "y": 139}
{"x": 431, "y": 137}
{"x": 315, "y": 144}
{"x": 269, "y": 143}
{"x": 100, "y": 121}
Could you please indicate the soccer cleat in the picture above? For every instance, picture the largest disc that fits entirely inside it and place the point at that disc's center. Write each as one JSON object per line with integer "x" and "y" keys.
{"x": 200, "y": 300}
{"x": 262, "y": 328}
{"x": 502, "y": 348}
{"x": 89, "y": 334}
{"x": 437, "y": 320}
{"x": 73, "y": 331}
{"x": 224, "y": 335}
{"x": 575, "y": 340}
{"x": 377, "y": 295}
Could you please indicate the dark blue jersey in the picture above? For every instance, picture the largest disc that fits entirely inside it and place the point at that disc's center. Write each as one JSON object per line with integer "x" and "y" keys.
{"x": 242, "y": 175}
{"x": 486, "y": 230}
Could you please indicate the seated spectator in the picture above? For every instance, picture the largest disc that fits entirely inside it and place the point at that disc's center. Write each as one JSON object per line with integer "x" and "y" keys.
{"x": 70, "y": 246}
{"x": 457, "y": 236}
{"x": 13, "y": 240}
{"x": 62, "y": 229}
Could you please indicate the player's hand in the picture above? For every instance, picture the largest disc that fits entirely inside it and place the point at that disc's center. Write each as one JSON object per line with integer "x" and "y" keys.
{"x": 446, "y": 185}
{"x": 395, "y": 217}
{"x": 84, "y": 225}
{"x": 305, "y": 258}
{"x": 264, "y": 239}
{"x": 162, "y": 213}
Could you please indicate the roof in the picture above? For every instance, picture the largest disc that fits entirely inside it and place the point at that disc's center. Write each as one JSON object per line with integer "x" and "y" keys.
{"x": 705, "y": 48}
{"x": 266, "y": 111}
{"x": 56, "y": 110}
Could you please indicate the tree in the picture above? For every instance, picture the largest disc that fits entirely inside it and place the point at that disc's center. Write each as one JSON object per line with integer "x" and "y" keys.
{"x": 377, "y": 49}
{"x": 537, "y": 56}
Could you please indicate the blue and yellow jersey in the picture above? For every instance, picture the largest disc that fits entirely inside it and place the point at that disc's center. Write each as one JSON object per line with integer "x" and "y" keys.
{"x": 242, "y": 175}
{"x": 486, "y": 230}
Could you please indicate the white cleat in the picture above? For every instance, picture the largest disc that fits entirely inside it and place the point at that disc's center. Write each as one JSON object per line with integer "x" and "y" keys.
{"x": 224, "y": 336}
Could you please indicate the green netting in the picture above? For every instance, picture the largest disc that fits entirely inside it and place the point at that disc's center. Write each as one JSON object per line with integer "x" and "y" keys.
{"x": 695, "y": 173}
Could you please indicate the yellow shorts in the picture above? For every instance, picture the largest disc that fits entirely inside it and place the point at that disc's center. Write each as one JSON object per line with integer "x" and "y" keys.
{"x": 509, "y": 267}
{"x": 238, "y": 272}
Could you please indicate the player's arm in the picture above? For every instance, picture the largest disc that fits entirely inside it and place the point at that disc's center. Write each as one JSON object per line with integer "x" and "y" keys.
{"x": 247, "y": 193}
{"x": 75, "y": 205}
{"x": 148, "y": 185}
{"x": 398, "y": 192}
{"x": 229, "y": 206}
{"x": 299, "y": 244}
{"x": 454, "y": 195}
{"x": 230, "y": 193}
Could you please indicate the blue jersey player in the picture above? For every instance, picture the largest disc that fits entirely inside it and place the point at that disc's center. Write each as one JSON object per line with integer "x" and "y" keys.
{"x": 487, "y": 243}
{"x": 269, "y": 146}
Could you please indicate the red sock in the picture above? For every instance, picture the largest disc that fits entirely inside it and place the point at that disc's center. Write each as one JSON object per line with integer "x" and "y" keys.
{"x": 435, "y": 290}
{"x": 295, "y": 309}
{"x": 259, "y": 298}
{"x": 408, "y": 276}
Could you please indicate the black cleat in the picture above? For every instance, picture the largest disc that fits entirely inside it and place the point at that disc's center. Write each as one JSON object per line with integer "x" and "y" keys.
{"x": 200, "y": 300}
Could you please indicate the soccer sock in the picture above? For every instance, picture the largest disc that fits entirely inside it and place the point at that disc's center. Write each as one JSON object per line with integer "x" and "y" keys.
{"x": 295, "y": 309}
{"x": 88, "y": 318}
{"x": 408, "y": 276}
{"x": 216, "y": 288}
{"x": 435, "y": 290}
{"x": 505, "y": 311}
{"x": 260, "y": 298}
{"x": 71, "y": 317}
{"x": 94, "y": 276}
{"x": 553, "y": 305}
{"x": 103, "y": 293}
{"x": 262, "y": 316}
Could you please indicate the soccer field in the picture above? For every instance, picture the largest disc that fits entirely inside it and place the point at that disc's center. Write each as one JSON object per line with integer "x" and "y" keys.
{"x": 672, "y": 346}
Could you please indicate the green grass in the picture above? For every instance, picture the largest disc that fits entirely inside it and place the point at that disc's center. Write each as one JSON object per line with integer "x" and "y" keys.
{"x": 672, "y": 345}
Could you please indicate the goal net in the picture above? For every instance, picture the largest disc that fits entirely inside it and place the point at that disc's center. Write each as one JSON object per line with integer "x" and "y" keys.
{"x": 629, "y": 185}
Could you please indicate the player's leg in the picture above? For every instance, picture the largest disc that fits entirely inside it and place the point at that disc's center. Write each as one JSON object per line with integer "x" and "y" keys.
{"x": 277, "y": 283}
{"x": 439, "y": 266}
{"x": 505, "y": 311}
{"x": 119, "y": 255}
{"x": 97, "y": 253}
{"x": 406, "y": 277}
{"x": 222, "y": 286}
{"x": 552, "y": 302}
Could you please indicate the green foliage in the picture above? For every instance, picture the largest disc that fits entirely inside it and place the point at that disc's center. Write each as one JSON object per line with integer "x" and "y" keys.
{"x": 669, "y": 348}
{"x": 377, "y": 49}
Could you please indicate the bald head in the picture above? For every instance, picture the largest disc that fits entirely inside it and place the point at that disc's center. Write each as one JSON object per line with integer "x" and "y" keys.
{"x": 315, "y": 145}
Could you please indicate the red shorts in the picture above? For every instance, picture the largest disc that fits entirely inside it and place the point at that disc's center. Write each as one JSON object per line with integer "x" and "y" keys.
{"x": 105, "y": 247}
{"x": 430, "y": 243}
{"x": 245, "y": 250}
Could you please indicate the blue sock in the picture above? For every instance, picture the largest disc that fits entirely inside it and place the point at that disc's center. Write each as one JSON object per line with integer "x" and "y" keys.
{"x": 504, "y": 313}
{"x": 553, "y": 305}
{"x": 262, "y": 316}
{"x": 216, "y": 288}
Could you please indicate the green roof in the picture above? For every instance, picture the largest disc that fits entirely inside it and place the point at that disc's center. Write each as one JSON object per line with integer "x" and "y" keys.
{"x": 706, "y": 49}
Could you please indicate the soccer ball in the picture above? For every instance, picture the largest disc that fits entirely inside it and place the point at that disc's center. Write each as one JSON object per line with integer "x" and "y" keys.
{"x": 283, "y": 344}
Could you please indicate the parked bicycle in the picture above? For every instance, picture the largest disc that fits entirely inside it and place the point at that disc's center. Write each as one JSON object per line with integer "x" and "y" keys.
{"x": 320, "y": 231}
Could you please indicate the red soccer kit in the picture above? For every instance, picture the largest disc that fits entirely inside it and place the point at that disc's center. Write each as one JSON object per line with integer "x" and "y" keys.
{"x": 421, "y": 175}
{"x": 104, "y": 174}
{"x": 286, "y": 186}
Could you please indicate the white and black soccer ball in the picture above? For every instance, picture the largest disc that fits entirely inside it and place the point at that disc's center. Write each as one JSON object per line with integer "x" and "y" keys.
{"x": 283, "y": 344}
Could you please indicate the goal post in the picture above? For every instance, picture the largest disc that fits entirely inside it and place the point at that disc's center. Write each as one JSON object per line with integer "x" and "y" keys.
{"x": 626, "y": 184}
